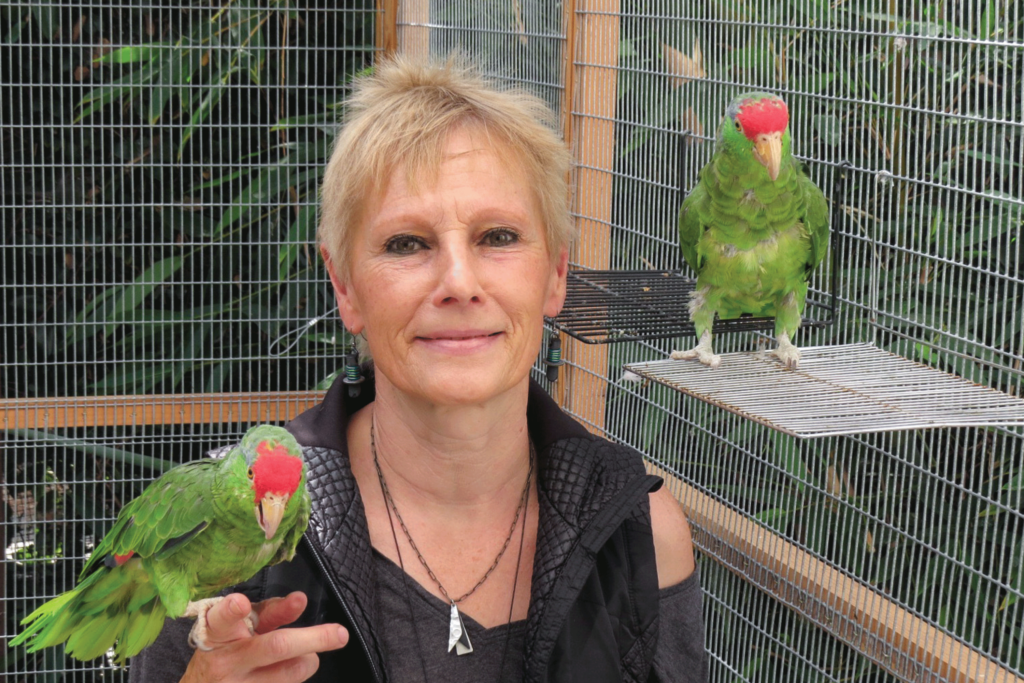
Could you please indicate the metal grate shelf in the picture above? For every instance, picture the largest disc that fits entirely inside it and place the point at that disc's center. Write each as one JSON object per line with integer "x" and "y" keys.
{"x": 608, "y": 306}
{"x": 846, "y": 389}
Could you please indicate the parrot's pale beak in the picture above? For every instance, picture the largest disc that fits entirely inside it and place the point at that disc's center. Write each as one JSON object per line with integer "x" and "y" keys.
{"x": 768, "y": 151}
{"x": 270, "y": 512}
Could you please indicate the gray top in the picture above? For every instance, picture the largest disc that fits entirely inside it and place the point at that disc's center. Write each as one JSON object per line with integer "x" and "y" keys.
{"x": 415, "y": 635}
{"x": 680, "y": 657}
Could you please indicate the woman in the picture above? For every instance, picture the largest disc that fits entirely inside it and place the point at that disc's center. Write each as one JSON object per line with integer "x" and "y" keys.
{"x": 463, "y": 527}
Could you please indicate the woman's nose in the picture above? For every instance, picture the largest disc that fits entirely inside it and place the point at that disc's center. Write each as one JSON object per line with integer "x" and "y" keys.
{"x": 458, "y": 279}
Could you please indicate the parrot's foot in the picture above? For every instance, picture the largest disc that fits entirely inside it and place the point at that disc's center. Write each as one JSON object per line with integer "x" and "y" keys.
{"x": 702, "y": 352}
{"x": 786, "y": 352}
{"x": 199, "y": 634}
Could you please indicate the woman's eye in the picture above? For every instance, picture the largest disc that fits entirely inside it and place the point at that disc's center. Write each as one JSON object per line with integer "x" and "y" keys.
{"x": 404, "y": 244}
{"x": 501, "y": 237}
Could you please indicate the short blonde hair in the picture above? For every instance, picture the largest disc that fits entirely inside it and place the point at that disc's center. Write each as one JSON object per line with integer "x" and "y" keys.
{"x": 403, "y": 114}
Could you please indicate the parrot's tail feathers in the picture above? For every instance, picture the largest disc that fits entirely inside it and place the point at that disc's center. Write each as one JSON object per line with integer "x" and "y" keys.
{"x": 142, "y": 630}
{"x": 39, "y": 624}
{"x": 108, "y": 607}
{"x": 47, "y": 608}
{"x": 88, "y": 643}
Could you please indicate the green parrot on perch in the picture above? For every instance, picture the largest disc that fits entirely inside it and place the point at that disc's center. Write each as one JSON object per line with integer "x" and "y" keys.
{"x": 199, "y": 528}
{"x": 753, "y": 229}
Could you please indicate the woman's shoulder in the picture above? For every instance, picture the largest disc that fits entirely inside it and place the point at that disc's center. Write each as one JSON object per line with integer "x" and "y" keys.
{"x": 673, "y": 545}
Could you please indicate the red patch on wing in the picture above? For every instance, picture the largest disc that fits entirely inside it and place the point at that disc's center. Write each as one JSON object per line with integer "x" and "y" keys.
{"x": 275, "y": 471}
{"x": 121, "y": 559}
{"x": 769, "y": 115}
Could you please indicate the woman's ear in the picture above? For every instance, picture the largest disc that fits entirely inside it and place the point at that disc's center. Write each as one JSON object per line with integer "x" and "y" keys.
{"x": 557, "y": 285}
{"x": 348, "y": 305}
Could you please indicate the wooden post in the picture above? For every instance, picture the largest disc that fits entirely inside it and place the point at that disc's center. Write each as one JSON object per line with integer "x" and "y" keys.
{"x": 591, "y": 56}
{"x": 413, "y": 28}
{"x": 386, "y": 27}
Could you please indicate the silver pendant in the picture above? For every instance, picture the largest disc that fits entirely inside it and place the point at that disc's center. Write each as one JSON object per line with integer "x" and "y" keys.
{"x": 458, "y": 637}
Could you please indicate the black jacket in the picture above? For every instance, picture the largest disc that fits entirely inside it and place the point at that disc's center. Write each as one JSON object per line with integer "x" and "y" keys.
{"x": 593, "y": 613}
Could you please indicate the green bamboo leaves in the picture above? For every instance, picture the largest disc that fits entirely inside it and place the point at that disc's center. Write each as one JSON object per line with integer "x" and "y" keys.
{"x": 108, "y": 310}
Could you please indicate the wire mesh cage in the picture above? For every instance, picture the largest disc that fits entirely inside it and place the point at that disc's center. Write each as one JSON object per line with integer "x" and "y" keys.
{"x": 159, "y": 166}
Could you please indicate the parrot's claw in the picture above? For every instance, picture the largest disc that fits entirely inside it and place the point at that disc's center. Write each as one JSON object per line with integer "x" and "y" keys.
{"x": 703, "y": 352}
{"x": 705, "y": 356}
{"x": 787, "y": 353}
{"x": 199, "y": 635}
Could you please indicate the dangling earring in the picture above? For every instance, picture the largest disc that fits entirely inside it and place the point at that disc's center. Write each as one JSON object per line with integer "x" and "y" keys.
{"x": 554, "y": 357}
{"x": 353, "y": 372}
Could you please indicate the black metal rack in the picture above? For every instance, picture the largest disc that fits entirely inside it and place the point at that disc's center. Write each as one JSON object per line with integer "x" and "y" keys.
{"x": 610, "y": 306}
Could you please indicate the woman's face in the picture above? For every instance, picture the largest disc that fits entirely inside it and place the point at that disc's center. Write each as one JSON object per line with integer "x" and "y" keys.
{"x": 451, "y": 279}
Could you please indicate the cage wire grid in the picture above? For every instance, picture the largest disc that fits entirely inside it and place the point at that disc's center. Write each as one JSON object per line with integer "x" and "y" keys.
{"x": 116, "y": 220}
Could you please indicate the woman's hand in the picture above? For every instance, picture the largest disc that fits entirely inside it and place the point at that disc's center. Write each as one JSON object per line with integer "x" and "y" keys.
{"x": 271, "y": 655}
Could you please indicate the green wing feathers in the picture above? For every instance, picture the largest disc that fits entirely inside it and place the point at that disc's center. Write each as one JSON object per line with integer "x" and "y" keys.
{"x": 815, "y": 218}
{"x": 691, "y": 227}
{"x": 172, "y": 507}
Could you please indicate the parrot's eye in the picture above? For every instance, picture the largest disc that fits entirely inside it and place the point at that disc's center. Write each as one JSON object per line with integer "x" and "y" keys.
{"x": 739, "y": 126}
{"x": 250, "y": 474}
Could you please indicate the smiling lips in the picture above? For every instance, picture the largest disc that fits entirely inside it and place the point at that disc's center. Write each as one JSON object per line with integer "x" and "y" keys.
{"x": 459, "y": 341}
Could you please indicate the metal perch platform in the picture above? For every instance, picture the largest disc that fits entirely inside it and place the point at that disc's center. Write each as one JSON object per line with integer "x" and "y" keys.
{"x": 847, "y": 389}
{"x": 607, "y": 306}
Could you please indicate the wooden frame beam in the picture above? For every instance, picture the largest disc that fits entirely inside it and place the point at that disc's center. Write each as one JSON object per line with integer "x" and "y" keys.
{"x": 166, "y": 409}
{"x": 591, "y": 55}
{"x": 386, "y": 27}
{"x": 413, "y": 30}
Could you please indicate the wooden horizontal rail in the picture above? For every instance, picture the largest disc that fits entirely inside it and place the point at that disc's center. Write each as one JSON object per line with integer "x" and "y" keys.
{"x": 864, "y": 619}
{"x": 162, "y": 409}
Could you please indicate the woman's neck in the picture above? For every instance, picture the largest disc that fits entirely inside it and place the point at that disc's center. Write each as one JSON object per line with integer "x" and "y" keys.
{"x": 450, "y": 456}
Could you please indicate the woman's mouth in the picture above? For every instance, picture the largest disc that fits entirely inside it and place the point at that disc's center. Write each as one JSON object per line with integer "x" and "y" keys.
{"x": 459, "y": 342}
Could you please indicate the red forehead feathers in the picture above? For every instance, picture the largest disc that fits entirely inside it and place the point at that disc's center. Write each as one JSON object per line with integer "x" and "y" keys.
{"x": 275, "y": 471}
{"x": 768, "y": 115}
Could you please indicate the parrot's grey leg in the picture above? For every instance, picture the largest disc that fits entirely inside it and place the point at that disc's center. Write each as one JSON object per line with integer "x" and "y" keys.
{"x": 702, "y": 352}
{"x": 199, "y": 635}
{"x": 786, "y": 352}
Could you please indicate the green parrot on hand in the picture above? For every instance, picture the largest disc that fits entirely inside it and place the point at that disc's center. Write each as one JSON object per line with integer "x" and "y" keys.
{"x": 199, "y": 528}
{"x": 753, "y": 229}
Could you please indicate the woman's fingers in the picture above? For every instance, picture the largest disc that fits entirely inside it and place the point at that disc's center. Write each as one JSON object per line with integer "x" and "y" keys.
{"x": 272, "y": 655}
{"x": 290, "y": 671}
{"x": 226, "y": 620}
{"x": 276, "y": 612}
{"x": 283, "y": 656}
{"x": 290, "y": 643}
